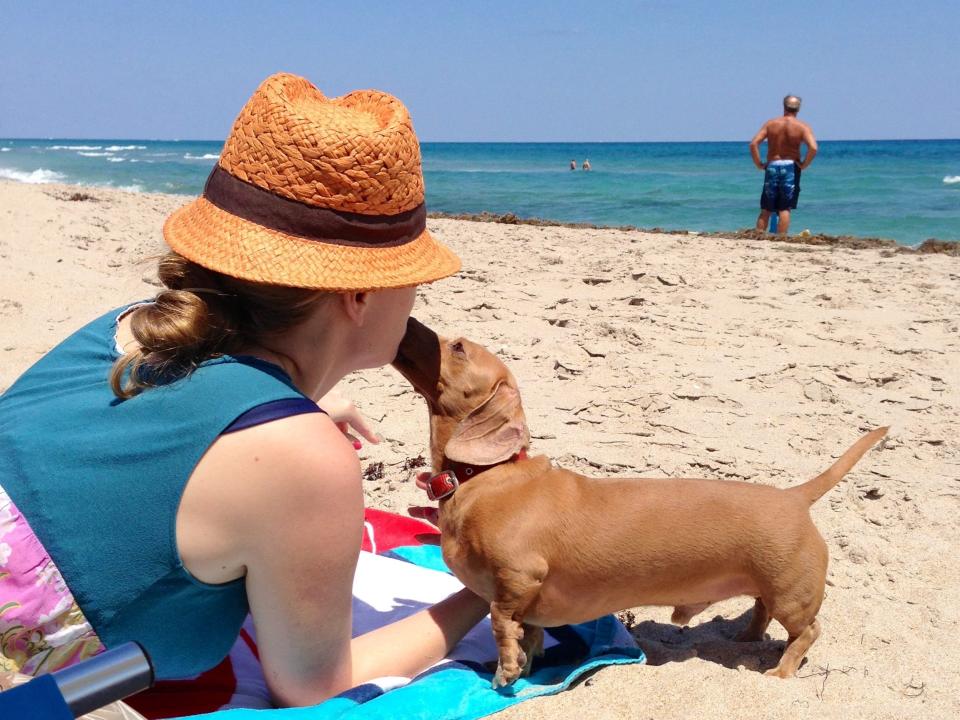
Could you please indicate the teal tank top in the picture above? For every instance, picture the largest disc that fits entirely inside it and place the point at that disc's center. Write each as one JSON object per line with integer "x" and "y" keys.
{"x": 100, "y": 479}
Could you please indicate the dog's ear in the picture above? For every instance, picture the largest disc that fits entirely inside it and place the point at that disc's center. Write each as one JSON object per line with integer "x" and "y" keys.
{"x": 491, "y": 433}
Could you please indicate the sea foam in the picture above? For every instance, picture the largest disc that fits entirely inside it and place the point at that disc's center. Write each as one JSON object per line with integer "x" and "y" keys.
{"x": 952, "y": 179}
{"x": 207, "y": 156}
{"x": 74, "y": 147}
{"x": 37, "y": 176}
{"x": 95, "y": 154}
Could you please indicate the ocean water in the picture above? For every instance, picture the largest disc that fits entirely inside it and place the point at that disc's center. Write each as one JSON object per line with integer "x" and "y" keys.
{"x": 906, "y": 190}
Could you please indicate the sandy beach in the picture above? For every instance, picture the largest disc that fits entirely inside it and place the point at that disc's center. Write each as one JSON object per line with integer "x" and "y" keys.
{"x": 651, "y": 355}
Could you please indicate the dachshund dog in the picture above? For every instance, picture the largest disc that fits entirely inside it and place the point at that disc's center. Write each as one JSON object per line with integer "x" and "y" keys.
{"x": 547, "y": 546}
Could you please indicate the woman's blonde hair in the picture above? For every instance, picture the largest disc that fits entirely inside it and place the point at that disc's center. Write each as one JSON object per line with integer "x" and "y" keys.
{"x": 201, "y": 315}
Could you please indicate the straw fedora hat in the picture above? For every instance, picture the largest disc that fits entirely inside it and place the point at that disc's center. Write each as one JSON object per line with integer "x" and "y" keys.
{"x": 315, "y": 192}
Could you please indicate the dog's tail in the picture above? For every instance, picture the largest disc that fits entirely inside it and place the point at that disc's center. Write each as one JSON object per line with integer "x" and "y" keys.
{"x": 814, "y": 489}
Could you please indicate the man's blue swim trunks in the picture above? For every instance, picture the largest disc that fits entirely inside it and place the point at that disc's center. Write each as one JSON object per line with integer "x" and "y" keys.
{"x": 781, "y": 186}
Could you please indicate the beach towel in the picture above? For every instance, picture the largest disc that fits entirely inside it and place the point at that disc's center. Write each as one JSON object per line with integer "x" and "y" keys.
{"x": 398, "y": 575}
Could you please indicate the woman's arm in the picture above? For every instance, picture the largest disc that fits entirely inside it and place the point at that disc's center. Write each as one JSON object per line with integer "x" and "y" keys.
{"x": 299, "y": 543}
{"x": 411, "y": 645}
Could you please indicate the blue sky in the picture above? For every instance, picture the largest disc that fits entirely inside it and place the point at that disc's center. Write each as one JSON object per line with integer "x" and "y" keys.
{"x": 488, "y": 71}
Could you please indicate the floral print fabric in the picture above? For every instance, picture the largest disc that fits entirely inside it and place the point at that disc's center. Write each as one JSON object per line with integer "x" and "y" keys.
{"x": 41, "y": 627}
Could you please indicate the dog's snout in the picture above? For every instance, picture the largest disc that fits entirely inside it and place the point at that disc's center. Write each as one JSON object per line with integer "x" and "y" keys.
{"x": 416, "y": 337}
{"x": 418, "y": 357}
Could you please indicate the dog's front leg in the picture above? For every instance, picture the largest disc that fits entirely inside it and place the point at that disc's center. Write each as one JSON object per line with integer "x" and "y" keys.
{"x": 508, "y": 632}
{"x": 531, "y": 645}
{"x": 514, "y": 593}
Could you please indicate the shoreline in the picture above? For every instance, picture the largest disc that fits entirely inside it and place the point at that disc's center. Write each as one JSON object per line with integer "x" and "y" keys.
{"x": 852, "y": 242}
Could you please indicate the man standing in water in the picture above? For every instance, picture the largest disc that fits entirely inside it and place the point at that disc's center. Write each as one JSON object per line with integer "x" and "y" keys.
{"x": 781, "y": 181}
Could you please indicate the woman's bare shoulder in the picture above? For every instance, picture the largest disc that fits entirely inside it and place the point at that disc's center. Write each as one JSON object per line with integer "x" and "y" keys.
{"x": 267, "y": 481}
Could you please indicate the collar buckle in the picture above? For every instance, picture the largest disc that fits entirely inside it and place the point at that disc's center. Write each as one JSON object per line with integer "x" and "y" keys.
{"x": 442, "y": 485}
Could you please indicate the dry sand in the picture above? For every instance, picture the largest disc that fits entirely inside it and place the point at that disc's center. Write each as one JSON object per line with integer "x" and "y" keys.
{"x": 652, "y": 355}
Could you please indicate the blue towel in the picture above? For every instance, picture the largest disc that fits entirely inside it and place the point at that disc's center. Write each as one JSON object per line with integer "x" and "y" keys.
{"x": 461, "y": 688}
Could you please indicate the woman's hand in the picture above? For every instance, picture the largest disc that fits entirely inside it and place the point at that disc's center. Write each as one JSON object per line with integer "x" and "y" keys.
{"x": 430, "y": 513}
{"x": 346, "y": 416}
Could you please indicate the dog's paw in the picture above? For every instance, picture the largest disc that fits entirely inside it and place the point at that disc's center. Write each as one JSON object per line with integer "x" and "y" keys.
{"x": 504, "y": 678}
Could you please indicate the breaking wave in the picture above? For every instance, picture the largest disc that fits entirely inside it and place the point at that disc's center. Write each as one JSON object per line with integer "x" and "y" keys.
{"x": 37, "y": 176}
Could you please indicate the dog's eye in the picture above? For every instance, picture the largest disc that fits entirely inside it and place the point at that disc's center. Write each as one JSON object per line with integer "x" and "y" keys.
{"x": 457, "y": 347}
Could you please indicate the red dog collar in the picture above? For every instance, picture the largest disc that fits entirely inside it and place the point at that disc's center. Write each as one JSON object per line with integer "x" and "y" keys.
{"x": 442, "y": 485}
{"x": 446, "y": 482}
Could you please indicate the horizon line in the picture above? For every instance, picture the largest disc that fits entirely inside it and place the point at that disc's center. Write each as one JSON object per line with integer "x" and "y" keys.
{"x": 500, "y": 142}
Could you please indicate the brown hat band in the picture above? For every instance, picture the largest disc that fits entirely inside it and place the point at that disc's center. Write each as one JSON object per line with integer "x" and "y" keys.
{"x": 262, "y": 207}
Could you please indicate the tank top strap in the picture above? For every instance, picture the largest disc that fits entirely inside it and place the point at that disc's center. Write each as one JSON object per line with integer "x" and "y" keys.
{"x": 273, "y": 410}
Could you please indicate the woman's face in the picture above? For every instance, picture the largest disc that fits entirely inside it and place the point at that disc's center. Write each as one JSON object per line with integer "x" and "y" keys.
{"x": 386, "y": 323}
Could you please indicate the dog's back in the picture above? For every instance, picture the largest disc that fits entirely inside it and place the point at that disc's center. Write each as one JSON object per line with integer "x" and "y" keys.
{"x": 667, "y": 541}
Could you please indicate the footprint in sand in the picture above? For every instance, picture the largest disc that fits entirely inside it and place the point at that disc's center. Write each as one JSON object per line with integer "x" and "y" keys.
{"x": 10, "y": 307}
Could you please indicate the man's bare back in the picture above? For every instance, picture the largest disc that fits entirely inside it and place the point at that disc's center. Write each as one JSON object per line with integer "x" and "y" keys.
{"x": 781, "y": 185}
{"x": 784, "y": 136}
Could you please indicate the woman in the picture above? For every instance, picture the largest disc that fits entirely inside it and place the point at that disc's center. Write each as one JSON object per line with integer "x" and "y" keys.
{"x": 166, "y": 468}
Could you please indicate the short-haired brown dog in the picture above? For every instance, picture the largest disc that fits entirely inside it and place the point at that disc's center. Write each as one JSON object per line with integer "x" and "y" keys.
{"x": 547, "y": 546}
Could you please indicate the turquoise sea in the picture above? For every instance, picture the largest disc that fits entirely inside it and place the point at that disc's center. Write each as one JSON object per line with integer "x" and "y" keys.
{"x": 907, "y": 190}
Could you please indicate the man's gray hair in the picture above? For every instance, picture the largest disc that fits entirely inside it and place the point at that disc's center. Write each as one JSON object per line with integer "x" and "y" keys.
{"x": 791, "y": 102}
